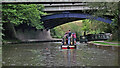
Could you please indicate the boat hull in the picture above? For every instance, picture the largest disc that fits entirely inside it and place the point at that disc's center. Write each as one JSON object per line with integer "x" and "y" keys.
{"x": 68, "y": 46}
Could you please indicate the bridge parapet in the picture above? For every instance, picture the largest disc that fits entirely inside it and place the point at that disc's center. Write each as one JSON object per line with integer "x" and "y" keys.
{"x": 60, "y": 0}
{"x": 68, "y": 8}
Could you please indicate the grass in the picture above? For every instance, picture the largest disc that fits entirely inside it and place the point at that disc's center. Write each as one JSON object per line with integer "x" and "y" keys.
{"x": 8, "y": 40}
{"x": 116, "y": 41}
{"x": 103, "y": 43}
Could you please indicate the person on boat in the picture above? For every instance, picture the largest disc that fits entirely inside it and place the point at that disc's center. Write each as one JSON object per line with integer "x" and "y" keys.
{"x": 65, "y": 38}
{"x": 65, "y": 35}
{"x": 74, "y": 37}
{"x": 69, "y": 36}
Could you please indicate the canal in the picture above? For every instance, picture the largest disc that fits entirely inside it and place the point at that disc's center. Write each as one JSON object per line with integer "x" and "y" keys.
{"x": 50, "y": 54}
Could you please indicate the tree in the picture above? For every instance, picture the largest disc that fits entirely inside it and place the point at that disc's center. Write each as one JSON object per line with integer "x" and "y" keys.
{"x": 59, "y": 31}
{"x": 85, "y": 26}
{"x": 1, "y": 33}
{"x": 16, "y": 14}
{"x": 107, "y": 9}
{"x": 95, "y": 27}
{"x": 23, "y": 13}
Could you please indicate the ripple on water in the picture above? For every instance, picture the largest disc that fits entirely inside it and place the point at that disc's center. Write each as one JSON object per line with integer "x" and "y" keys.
{"x": 48, "y": 54}
{"x": 26, "y": 64}
{"x": 3, "y": 62}
{"x": 13, "y": 64}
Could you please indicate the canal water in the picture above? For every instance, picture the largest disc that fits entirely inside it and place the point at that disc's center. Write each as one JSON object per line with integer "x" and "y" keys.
{"x": 50, "y": 54}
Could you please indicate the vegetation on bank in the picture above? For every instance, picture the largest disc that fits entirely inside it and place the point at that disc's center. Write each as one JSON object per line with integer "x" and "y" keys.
{"x": 105, "y": 43}
{"x": 23, "y": 13}
{"x": 1, "y": 33}
{"x": 92, "y": 26}
{"x": 30, "y": 14}
{"x": 80, "y": 27}
{"x": 17, "y": 14}
{"x": 108, "y": 9}
{"x": 114, "y": 41}
{"x": 5, "y": 41}
{"x": 59, "y": 31}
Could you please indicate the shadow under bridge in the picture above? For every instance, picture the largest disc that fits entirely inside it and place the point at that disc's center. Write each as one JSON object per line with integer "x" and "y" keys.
{"x": 51, "y": 21}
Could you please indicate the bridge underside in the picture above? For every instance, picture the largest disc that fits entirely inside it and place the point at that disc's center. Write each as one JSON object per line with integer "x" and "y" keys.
{"x": 51, "y": 21}
{"x": 49, "y": 24}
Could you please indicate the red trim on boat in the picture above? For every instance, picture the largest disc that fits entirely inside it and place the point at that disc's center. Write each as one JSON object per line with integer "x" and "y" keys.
{"x": 72, "y": 47}
{"x": 68, "y": 48}
{"x": 64, "y": 48}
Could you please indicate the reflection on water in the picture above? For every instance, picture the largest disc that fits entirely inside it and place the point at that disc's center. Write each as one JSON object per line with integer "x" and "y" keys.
{"x": 50, "y": 54}
{"x": 69, "y": 57}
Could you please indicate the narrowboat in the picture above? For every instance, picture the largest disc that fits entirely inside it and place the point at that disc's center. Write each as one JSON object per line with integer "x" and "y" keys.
{"x": 66, "y": 45}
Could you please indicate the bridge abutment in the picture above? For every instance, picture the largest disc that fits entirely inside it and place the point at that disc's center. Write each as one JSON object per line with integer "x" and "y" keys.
{"x": 25, "y": 33}
{"x": 33, "y": 35}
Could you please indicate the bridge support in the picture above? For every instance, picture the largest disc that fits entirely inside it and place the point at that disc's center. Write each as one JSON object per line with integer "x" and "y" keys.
{"x": 33, "y": 35}
{"x": 26, "y": 33}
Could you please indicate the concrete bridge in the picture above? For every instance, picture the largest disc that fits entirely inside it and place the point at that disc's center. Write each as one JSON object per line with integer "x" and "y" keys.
{"x": 60, "y": 12}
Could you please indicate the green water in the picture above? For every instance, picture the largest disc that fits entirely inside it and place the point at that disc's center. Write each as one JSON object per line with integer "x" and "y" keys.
{"x": 50, "y": 54}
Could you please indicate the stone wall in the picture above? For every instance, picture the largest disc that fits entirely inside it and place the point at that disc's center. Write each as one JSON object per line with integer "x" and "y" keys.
{"x": 33, "y": 35}
{"x": 24, "y": 32}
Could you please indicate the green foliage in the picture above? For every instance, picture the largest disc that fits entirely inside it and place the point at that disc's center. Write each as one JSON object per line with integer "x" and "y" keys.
{"x": 1, "y": 32}
{"x": 23, "y": 13}
{"x": 104, "y": 8}
{"x": 95, "y": 27}
{"x": 79, "y": 27}
{"x": 107, "y": 9}
{"x": 85, "y": 25}
{"x": 114, "y": 41}
{"x": 92, "y": 26}
{"x": 59, "y": 31}
{"x": 106, "y": 43}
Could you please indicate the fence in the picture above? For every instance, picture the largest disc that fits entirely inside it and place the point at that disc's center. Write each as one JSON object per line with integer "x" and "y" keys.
{"x": 101, "y": 36}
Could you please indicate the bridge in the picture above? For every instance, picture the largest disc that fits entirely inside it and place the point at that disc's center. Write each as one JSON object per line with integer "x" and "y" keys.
{"x": 59, "y": 12}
